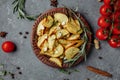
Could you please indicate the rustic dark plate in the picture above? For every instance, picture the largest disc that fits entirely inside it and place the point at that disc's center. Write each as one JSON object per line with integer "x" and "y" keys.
{"x": 45, "y": 59}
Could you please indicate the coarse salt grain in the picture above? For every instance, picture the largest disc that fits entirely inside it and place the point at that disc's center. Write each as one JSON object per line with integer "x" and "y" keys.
{"x": 63, "y": 23}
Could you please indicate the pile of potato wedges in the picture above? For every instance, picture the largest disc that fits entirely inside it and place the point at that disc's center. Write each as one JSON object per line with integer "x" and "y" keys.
{"x": 59, "y": 37}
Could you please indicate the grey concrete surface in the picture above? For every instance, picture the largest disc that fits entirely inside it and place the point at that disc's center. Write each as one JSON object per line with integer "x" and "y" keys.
{"x": 31, "y": 67}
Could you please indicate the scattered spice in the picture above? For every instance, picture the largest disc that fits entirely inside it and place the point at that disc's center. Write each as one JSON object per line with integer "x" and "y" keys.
{"x": 12, "y": 75}
{"x": 97, "y": 44}
{"x": 24, "y": 37}
{"x": 54, "y": 3}
{"x": 20, "y": 33}
{"x": 3, "y": 34}
{"x": 26, "y": 32}
{"x": 18, "y": 68}
{"x": 20, "y": 73}
{"x": 88, "y": 79}
{"x": 100, "y": 57}
{"x": 98, "y": 71}
{"x": 66, "y": 79}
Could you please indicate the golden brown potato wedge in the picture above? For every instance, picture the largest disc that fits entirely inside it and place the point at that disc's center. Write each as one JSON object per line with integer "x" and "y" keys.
{"x": 48, "y": 21}
{"x": 40, "y": 29}
{"x": 63, "y": 41}
{"x": 48, "y": 53}
{"x": 78, "y": 43}
{"x": 58, "y": 51}
{"x": 41, "y": 40}
{"x": 51, "y": 41}
{"x": 74, "y": 37}
{"x": 44, "y": 48}
{"x": 78, "y": 27}
{"x": 54, "y": 28}
{"x": 61, "y": 33}
{"x": 72, "y": 27}
{"x": 71, "y": 43}
{"x": 56, "y": 61}
{"x": 71, "y": 52}
{"x": 62, "y": 18}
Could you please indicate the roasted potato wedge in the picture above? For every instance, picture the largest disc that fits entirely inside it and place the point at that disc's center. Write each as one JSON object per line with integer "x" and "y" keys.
{"x": 56, "y": 61}
{"x": 58, "y": 51}
{"x": 72, "y": 27}
{"x": 71, "y": 52}
{"x": 71, "y": 43}
{"x": 78, "y": 43}
{"x": 51, "y": 41}
{"x": 62, "y": 18}
{"x": 41, "y": 40}
{"x": 40, "y": 29}
{"x": 48, "y": 53}
{"x": 63, "y": 41}
{"x": 54, "y": 28}
{"x": 61, "y": 33}
{"x": 74, "y": 37}
{"x": 44, "y": 48}
{"x": 74, "y": 43}
{"x": 48, "y": 21}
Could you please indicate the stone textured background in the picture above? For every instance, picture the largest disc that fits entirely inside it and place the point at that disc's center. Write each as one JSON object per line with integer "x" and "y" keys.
{"x": 24, "y": 57}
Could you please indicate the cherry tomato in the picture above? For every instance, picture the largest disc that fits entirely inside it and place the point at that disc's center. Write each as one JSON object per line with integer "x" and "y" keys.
{"x": 105, "y": 10}
{"x": 104, "y": 22}
{"x": 8, "y": 46}
{"x": 116, "y": 16}
{"x": 116, "y": 28}
{"x": 117, "y": 5}
{"x": 102, "y": 34}
{"x": 109, "y": 2}
{"x": 114, "y": 41}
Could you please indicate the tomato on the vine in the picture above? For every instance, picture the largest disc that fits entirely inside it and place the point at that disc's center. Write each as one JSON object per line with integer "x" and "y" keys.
{"x": 116, "y": 28}
{"x": 117, "y": 5}
{"x": 116, "y": 16}
{"x": 8, "y": 46}
{"x": 114, "y": 41}
{"x": 106, "y": 10}
{"x": 109, "y": 2}
{"x": 104, "y": 22}
{"x": 102, "y": 34}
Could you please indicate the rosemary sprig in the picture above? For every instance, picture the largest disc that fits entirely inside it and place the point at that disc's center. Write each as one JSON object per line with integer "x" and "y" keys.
{"x": 1, "y": 79}
{"x": 19, "y": 7}
{"x": 82, "y": 52}
{"x": 65, "y": 71}
{"x": 68, "y": 71}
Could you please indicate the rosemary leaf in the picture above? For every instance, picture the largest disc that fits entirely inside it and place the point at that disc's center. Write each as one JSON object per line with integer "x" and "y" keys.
{"x": 14, "y": 1}
{"x": 65, "y": 71}
{"x": 31, "y": 17}
{"x": 1, "y": 79}
{"x": 1, "y": 66}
